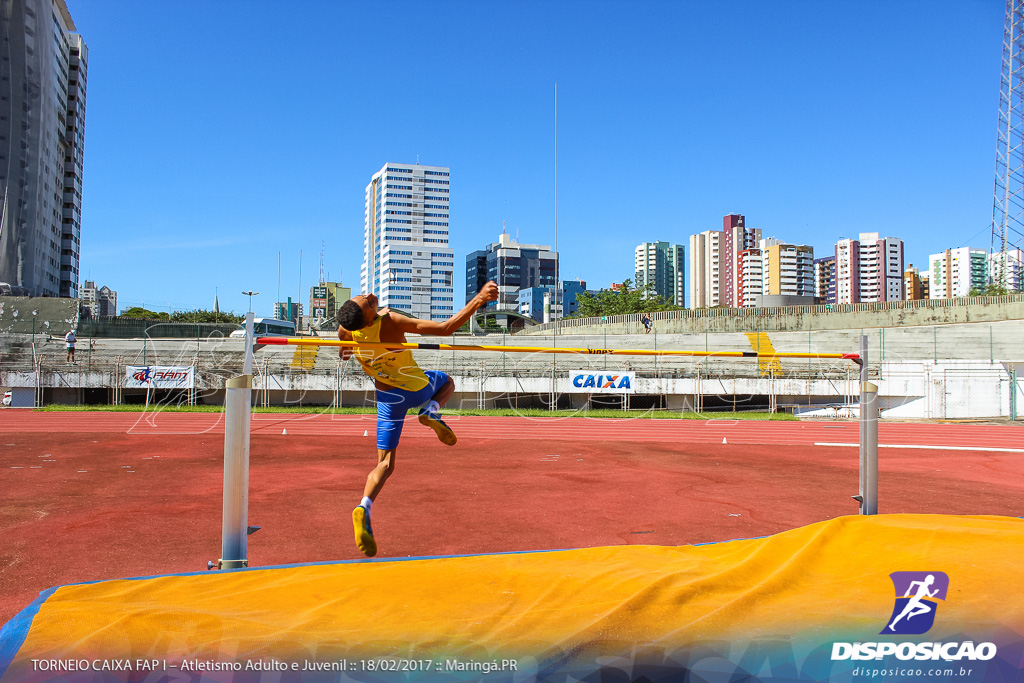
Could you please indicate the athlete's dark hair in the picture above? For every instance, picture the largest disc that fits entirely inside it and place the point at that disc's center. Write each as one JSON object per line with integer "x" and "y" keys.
{"x": 350, "y": 316}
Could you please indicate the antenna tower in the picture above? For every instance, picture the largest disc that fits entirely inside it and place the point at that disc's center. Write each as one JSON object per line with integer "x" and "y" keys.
{"x": 1008, "y": 199}
{"x": 322, "y": 279}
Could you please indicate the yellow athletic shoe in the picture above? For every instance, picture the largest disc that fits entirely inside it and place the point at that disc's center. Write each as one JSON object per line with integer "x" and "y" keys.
{"x": 434, "y": 421}
{"x": 364, "y": 533}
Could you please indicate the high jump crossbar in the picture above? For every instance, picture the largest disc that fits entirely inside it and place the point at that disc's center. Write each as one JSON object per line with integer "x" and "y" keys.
{"x": 396, "y": 346}
{"x": 238, "y": 407}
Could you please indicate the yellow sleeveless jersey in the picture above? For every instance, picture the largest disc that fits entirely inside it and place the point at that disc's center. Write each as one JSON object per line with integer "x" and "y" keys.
{"x": 394, "y": 368}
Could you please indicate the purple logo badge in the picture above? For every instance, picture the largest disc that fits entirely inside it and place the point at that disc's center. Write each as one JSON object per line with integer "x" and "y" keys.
{"x": 917, "y": 596}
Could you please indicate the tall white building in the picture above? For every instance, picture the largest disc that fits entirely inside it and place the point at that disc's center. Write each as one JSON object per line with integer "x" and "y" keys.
{"x": 956, "y": 272}
{"x": 1007, "y": 268}
{"x": 750, "y": 280}
{"x": 869, "y": 269}
{"x": 43, "y": 63}
{"x": 663, "y": 266}
{"x": 706, "y": 269}
{"x": 406, "y": 258}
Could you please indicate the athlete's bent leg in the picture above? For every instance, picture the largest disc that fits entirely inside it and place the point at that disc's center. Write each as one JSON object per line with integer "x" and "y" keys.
{"x": 445, "y": 392}
{"x": 379, "y": 474}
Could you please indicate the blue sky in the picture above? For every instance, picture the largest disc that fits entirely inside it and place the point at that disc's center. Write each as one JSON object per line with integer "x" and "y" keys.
{"x": 220, "y": 134}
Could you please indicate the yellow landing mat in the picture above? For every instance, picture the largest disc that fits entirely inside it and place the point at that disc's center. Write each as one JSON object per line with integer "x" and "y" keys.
{"x": 774, "y": 607}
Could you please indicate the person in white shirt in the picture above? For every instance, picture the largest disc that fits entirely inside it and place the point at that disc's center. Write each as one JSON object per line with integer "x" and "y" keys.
{"x": 69, "y": 339}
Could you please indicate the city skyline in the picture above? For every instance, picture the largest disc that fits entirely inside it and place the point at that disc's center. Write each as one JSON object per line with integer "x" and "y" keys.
{"x": 221, "y": 158}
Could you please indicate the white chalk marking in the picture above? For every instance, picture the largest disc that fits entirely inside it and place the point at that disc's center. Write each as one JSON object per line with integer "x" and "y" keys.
{"x": 987, "y": 449}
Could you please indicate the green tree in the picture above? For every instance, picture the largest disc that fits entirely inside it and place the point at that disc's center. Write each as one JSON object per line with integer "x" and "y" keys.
{"x": 139, "y": 312}
{"x": 204, "y": 316}
{"x": 623, "y": 302}
{"x": 991, "y": 289}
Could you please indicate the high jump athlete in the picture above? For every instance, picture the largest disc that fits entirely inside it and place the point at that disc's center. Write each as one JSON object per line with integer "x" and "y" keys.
{"x": 400, "y": 383}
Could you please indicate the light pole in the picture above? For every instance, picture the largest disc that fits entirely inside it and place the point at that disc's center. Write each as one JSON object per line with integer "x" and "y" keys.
{"x": 250, "y": 295}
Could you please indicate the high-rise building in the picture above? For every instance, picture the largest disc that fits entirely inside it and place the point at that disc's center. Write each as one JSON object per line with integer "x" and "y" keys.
{"x": 869, "y": 269}
{"x": 406, "y": 258}
{"x": 847, "y": 268}
{"x": 43, "y": 61}
{"x": 912, "y": 285}
{"x": 106, "y": 301}
{"x": 788, "y": 269}
{"x": 512, "y": 266}
{"x": 736, "y": 237}
{"x": 956, "y": 272}
{"x": 324, "y": 300}
{"x": 663, "y": 266}
{"x": 706, "y": 269}
{"x": 1006, "y": 269}
{"x": 775, "y": 274}
{"x": 87, "y": 298}
{"x": 289, "y": 310}
{"x": 825, "y": 280}
{"x": 750, "y": 280}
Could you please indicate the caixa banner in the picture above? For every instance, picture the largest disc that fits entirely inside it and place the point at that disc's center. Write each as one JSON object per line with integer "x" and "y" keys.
{"x": 600, "y": 382}
{"x": 159, "y": 377}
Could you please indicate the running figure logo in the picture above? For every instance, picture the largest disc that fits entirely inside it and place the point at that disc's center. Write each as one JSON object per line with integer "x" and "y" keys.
{"x": 917, "y": 594}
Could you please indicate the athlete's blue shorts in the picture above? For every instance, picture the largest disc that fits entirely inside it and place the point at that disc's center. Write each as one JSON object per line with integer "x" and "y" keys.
{"x": 393, "y": 404}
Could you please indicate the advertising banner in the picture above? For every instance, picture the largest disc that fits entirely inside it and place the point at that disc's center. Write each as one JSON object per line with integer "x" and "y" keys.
{"x": 599, "y": 382}
{"x": 159, "y": 377}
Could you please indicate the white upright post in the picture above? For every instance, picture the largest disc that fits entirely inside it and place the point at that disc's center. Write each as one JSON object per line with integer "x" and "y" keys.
{"x": 868, "y": 410}
{"x": 237, "y": 415}
{"x": 870, "y": 505}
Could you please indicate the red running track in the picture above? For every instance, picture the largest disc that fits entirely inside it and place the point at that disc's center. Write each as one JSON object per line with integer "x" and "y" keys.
{"x": 91, "y": 496}
{"x": 639, "y": 430}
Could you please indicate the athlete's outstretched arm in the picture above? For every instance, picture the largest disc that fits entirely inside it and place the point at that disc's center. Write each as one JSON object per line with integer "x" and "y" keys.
{"x": 344, "y": 335}
{"x": 489, "y": 292}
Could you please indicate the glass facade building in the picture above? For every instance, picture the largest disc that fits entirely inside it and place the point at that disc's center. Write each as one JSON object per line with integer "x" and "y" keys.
{"x": 43, "y": 69}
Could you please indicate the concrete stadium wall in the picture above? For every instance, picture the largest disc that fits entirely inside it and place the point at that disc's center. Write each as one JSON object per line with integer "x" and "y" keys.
{"x": 44, "y": 315}
{"x": 801, "y": 318}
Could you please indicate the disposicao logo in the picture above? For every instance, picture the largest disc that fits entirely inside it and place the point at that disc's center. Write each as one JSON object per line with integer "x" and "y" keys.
{"x": 917, "y": 601}
{"x": 917, "y": 596}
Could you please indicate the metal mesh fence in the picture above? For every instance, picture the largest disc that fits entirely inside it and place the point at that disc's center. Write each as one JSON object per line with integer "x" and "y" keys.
{"x": 950, "y": 372}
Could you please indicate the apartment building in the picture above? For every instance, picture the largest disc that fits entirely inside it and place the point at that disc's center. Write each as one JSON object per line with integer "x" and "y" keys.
{"x": 663, "y": 266}
{"x": 706, "y": 269}
{"x": 825, "y": 280}
{"x": 955, "y": 272}
{"x": 44, "y": 67}
{"x": 788, "y": 270}
{"x": 736, "y": 237}
{"x": 869, "y": 269}
{"x": 406, "y": 258}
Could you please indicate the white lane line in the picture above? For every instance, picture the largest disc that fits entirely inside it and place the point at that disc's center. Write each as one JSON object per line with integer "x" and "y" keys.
{"x": 932, "y": 448}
